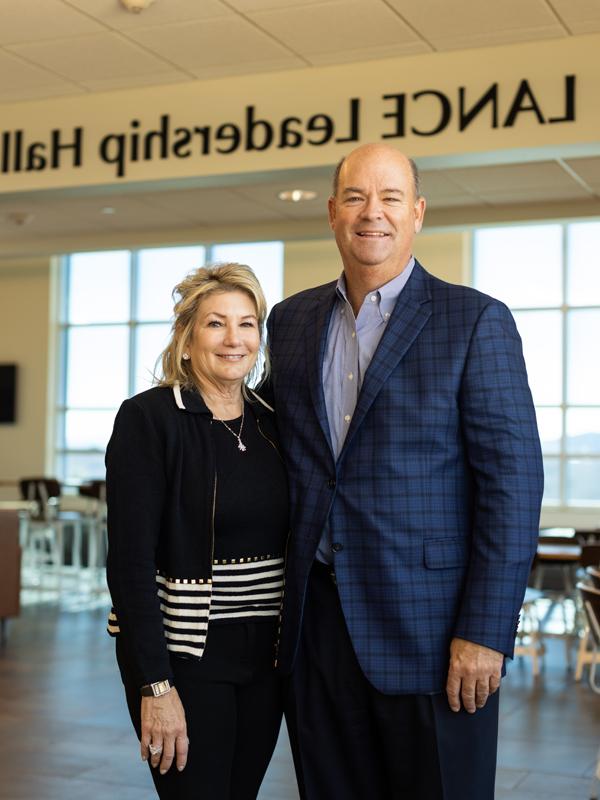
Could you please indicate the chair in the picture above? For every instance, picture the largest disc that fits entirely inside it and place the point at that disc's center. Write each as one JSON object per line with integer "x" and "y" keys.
{"x": 42, "y": 537}
{"x": 588, "y": 572}
{"x": 81, "y": 521}
{"x": 593, "y": 574}
{"x": 590, "y": 596}
{"x": 39, "y": 489}
{"x": 585, "y": 651}
{"x": 590, "y": 555}
{"x": 66, "y": 538}
{"x": 562, "y": 554}
{"x": 95, "y": 490}
{"x": 529, "y": 641}
{"x": 588, "y": 536}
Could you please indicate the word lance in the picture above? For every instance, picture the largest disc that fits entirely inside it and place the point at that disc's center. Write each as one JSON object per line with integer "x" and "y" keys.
{"x": 424, "y": 113}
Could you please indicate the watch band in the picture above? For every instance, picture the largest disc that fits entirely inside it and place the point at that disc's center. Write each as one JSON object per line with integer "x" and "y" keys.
{"x": 156, "y": 689}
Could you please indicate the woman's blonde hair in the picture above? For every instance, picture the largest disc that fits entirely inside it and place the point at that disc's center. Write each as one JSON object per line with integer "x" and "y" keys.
{"x": 193, "y": 289}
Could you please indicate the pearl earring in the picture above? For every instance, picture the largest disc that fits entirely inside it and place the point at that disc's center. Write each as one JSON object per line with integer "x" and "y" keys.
{"x": 186, "y": 356}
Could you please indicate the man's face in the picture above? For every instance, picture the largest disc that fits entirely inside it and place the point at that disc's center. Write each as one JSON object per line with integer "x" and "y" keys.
{"x": 375, "y": 214}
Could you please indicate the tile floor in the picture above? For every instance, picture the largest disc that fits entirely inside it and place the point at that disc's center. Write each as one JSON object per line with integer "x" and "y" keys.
{"x": 65, "y": 734}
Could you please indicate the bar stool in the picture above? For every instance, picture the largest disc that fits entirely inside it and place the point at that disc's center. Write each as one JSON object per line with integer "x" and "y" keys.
{"x": 593, "y": 573}
{"x": 586, "y": 654}
{"x": 42, "y": 538}
{"x": 98, "y": 539}
{"x": 590, "y": 596}
{"x": 561, "y": 553}
{"x": 79, "y": 519}
{"x": 529, "y": 641}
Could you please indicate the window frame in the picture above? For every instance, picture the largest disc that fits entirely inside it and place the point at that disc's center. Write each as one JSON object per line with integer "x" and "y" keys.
{"x": 60, "y": 452}
{"x": 563, "y": 456}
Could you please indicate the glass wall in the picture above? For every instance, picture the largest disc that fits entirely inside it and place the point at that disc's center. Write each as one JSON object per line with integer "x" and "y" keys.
{"x": 115, "y": 321}
{"x": 549, "y": 275}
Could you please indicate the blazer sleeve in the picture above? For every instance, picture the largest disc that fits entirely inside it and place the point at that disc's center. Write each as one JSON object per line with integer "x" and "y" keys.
{"x": 503, "y": 450}
{"x": 136, "y": 487}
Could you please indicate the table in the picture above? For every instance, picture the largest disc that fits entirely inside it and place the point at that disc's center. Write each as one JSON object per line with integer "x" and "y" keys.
{"x": 562, "y": 533}
{"x": 559, "y": 553}
{"x": 29, "y": 506}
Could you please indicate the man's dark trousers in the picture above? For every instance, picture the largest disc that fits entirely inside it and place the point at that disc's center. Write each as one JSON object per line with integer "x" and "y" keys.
{"x": 351, "y": 742}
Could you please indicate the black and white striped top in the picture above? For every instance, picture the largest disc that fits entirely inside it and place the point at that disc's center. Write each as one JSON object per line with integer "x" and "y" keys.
{"x": 246, "y": 589}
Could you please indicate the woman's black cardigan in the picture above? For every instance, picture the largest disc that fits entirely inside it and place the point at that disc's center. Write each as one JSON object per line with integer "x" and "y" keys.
{"x": 161, "y": 488}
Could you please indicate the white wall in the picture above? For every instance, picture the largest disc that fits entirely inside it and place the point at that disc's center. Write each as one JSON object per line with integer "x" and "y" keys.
{"x": 24, "y": 327}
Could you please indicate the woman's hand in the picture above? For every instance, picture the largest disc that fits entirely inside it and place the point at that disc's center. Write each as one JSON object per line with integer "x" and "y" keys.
{"x": 164, "y": 726}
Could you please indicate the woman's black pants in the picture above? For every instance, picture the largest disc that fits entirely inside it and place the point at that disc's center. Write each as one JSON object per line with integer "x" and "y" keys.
{"x": 232, "y": 700}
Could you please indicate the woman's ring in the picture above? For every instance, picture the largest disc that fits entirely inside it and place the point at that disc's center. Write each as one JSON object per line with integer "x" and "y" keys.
{"x": 155, "y": 750}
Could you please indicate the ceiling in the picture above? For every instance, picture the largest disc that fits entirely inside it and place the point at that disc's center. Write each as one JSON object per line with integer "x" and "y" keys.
{"x": 54, "y": 48}
{"x": 36, "y": 215}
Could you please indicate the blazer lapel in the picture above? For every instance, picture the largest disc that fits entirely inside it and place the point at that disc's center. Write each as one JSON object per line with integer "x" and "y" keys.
{"x": 408, "y": 318}
{"x": 317, "y": 325}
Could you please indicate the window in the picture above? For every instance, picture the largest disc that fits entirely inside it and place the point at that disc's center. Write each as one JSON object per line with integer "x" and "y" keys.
{"x": 116, "y": 320}
{"x": 549, "y": 275}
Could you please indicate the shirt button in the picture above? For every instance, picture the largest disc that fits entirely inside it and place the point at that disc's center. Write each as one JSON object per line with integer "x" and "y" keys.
{"x": 337, "y": 547}
{"x": 354, "y": 334}
{"x": 350, "y": 376}
{"x": 373, "y": 298}
{"x": 386, "y": 315}
{"x": 347, "y": 418}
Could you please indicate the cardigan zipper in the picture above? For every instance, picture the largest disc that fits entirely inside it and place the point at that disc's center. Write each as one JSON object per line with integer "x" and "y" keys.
{"x": 212, "y": 526}
{"x": 271, "y": 442}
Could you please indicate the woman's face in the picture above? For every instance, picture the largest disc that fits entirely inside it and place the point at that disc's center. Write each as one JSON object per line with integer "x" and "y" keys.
{"x": 225, "y": 338}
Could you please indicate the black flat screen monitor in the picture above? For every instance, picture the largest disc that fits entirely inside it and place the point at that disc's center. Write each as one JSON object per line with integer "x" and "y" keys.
{"x": 8, "y": 392}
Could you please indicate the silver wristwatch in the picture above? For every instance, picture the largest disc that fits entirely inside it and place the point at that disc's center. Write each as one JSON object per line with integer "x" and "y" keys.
{"x": 156, "y": 689}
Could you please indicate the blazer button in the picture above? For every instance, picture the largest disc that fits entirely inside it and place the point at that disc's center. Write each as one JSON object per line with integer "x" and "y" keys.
{"x": 337, "y": 547}
{"x": 331, "y": 483}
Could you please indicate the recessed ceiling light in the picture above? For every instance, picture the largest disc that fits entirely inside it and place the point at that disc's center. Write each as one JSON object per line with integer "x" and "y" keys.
{"x": 20, "y": 218}
{"x": 296, "y": 195}
{"x": 108, "y": 210}
{"x": 136, "y": 6}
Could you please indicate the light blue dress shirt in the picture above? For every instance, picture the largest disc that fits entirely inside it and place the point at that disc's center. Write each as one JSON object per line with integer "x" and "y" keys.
{"x": 351, "y": 344}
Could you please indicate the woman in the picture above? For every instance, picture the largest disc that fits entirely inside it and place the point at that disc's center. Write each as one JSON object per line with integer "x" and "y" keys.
{"x": 197, "y": 523}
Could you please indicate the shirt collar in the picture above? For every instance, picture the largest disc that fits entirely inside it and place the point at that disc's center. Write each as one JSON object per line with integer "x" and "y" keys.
{"x": 387, "y": 295}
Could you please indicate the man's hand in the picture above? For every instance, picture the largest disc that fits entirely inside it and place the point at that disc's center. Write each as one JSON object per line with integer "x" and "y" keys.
{"x": 473, "y": 675}
{"x": 164, "y": 727}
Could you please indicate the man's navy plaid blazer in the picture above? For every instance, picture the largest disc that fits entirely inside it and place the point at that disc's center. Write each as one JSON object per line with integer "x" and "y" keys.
{"x": 434, "y": 500}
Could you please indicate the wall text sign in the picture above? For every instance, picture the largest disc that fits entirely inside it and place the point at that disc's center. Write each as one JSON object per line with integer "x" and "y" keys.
{"x": 427, "y": 112}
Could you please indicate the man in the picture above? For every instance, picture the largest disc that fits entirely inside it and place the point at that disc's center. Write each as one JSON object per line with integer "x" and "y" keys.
{"x": 416, "y": 482}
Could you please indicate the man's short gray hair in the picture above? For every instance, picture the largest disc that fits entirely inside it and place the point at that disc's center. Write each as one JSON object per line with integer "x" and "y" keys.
{"x": 413, "y": 168}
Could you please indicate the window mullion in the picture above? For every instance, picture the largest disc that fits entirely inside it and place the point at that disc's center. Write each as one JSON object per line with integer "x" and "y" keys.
{"x": 565, "y": 386}
{"x": 60, "y": 417}
{"x": 133, "y": 312}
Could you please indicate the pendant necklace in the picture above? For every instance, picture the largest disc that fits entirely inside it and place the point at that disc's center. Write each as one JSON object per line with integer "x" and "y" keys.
{"x": 238, "y": 436}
